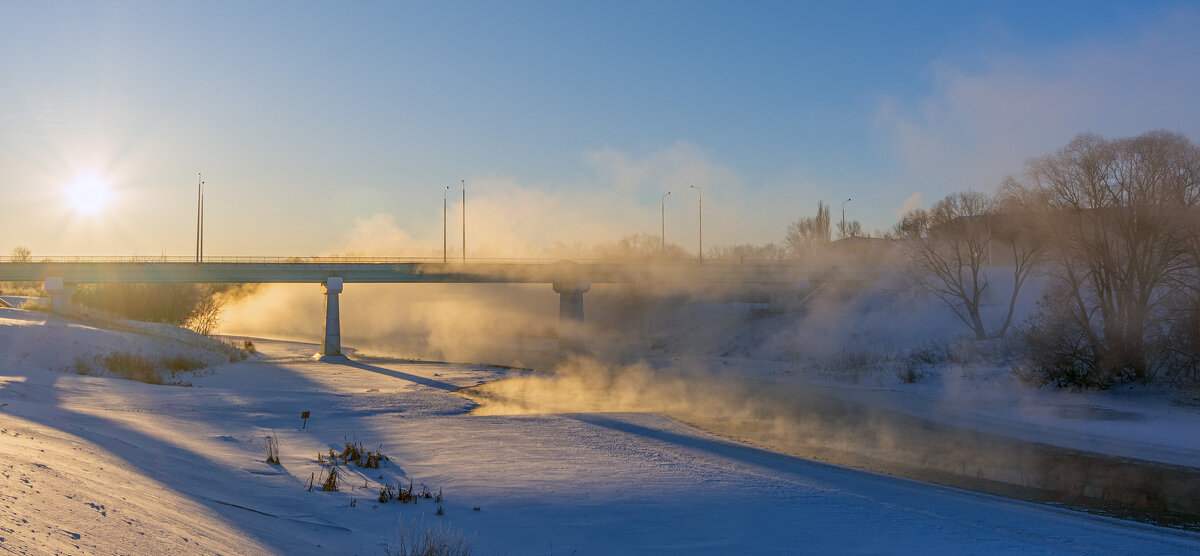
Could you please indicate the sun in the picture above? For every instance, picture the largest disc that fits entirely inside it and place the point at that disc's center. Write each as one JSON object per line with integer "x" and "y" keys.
{"x": 88, "y": 194}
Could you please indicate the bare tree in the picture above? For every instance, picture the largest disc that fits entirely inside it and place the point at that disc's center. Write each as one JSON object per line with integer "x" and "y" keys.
{"x": 809, "y": 232}
{"x": 849, "y": 229}
{"x": 1121, "y": 213}
{"x": 21, "y": 254}
{"x": 205, "y": 315}
{"x": 947, "y": 247}
{"x": 747, "y": 252}
{"x": 640, "y": 246}
{"x": 1015, "y": 241}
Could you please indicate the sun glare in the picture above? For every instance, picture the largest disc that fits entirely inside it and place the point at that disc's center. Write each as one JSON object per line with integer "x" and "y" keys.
{"x": 88, "y": 195}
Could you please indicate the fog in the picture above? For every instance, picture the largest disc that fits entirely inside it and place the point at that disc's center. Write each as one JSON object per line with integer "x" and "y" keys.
{"x": 717, "y": 358}
{"x": 746, "y": 360}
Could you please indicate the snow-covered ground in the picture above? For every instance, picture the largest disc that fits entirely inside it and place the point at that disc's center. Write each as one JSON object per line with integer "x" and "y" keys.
{"x": 103, "y": 465}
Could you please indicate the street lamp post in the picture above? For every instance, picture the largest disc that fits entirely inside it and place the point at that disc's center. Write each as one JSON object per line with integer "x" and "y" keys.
{"x": 700, "y": 213}
{"x": 464, "y": 185}
{"x": 199, "y": 217}
{"x": 202, "y": 221}
{"x": 844, "y": 218}
{"x": 445, "y": 192}
{"x": 199, "y": 185}
{"x": 663, "y": 214}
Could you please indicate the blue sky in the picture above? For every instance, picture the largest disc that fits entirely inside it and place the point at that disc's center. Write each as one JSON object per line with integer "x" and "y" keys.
{"x": 326, "y": 127}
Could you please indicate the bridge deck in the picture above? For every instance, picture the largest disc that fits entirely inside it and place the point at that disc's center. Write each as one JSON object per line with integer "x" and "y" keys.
{"x": 225, "y": 270}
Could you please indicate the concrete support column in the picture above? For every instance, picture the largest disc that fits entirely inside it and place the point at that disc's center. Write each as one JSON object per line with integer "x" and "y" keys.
{"x": 570, "y": 299}
{"x": 60, "y": 294}
{"x": 332, "y": 344}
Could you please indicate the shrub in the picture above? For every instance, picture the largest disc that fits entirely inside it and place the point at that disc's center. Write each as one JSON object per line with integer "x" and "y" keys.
{"x": 405, "y": 496}
{"x": 81, "y": 366}
{"x": 39, "y": 304}
{"x": 387, "y": 493}
{"x": 356, "y": 454}
{"x": 1182, "y": 345}
{"x": 909, "y": 371}
{"x": 131, "y": 366}
{"x": 854, "y": 363}
{"x": 205, "y": 315}
{"x": 331, "y": 481}
{"x": 236, "y": 351}
{"x": 428, "y": 541}
{"x": 194, "y": 306}
{"x": 351, "y": 453}
{"x": 373, "y": 460}
{"x": 179, "y": 363}
{"x": 1058, "y": 350}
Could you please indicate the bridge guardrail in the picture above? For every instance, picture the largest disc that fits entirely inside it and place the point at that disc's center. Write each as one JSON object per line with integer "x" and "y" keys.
{"x": 375, "y": 260}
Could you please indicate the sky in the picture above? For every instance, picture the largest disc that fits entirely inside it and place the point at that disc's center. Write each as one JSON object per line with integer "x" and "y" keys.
{"x": 332, "y": 128}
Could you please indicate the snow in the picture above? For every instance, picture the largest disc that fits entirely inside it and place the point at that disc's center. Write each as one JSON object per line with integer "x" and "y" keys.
{"x": 103, "y": 465}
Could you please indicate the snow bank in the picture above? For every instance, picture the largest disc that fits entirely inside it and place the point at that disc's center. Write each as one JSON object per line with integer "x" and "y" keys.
{"x": 138, "y": 468}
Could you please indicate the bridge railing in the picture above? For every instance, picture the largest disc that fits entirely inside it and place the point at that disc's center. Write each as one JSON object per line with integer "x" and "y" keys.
{"x": 374, "y": 260}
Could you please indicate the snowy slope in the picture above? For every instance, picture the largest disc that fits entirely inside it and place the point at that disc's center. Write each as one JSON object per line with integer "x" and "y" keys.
{"x": 136, "y": 468}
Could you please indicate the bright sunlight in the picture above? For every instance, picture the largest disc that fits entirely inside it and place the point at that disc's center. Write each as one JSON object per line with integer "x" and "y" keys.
{"x": 88, "y": 194}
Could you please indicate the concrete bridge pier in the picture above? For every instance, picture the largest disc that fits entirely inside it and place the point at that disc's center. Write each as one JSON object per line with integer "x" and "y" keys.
{"x": 570, "y": 299}
{"x": 570, "y": 312}
{"x": 60, "y": 294}
{"x": 331, "y": 346}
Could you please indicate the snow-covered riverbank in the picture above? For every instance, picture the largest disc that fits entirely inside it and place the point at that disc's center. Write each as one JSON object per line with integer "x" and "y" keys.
{"x": 131, "y": 467}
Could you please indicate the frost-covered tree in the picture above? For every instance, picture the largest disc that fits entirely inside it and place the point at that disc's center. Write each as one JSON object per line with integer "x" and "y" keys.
{"x": 949, "y": 247}
{"x": 1122, "y": 215}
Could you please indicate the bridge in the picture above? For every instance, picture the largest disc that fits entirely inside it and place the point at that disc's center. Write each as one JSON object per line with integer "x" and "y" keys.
{"x": 569, "y": 279}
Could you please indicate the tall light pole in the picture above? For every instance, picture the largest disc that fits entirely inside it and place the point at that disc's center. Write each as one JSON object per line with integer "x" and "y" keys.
{"x": 464, "y": 185}
{"x": 199, "y": 217}
{"x": 844, "y": 218}
{"x": 444, "y": 194}
{"x": 701, "y": 214}
{"x": 199, "y": 185}
{"x": 663, "y": 211}
{"x": 202, "y": 184}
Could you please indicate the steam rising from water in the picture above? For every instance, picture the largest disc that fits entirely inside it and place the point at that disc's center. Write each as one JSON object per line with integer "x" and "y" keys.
{"x": 512, "y": 324}
{"x": 733, "y": 406}
{"x": 666, "y": 352}
{"x": 799, "y": 420}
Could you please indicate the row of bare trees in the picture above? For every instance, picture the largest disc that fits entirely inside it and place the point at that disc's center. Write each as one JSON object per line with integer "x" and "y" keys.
{"x": 1115, "y": 223}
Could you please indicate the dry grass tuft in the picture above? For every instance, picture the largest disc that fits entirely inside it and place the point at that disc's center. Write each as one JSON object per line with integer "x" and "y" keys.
{"x": 181, "y": 363}
{"x": 397, "y": 493}
{"x": 131, "y": 366}
{"x": 437, "y": 540}
{"x": 134, "y": 366}
{"x": 331, "y": 481}
{"x": 272, "y": 450}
